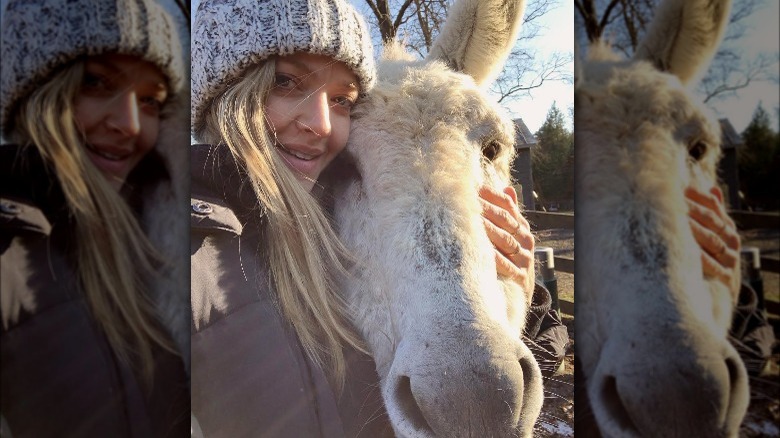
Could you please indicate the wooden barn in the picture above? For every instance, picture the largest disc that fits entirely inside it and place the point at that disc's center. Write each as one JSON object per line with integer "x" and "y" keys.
{"x": 522, "y": 170}
{"x": 728, "y": 172}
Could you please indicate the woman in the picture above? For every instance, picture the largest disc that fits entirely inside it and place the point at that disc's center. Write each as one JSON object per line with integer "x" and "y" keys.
{"x": 92, "y": 332}
{"x": 273, "y": 85}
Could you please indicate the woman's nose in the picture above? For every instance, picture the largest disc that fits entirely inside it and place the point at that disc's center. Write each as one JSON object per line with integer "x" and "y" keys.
{"x": 124, "y": 114}
{"x": 318, "y": 118}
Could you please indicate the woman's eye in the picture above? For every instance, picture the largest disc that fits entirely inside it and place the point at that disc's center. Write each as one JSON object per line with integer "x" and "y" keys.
{"x": 94, "y": 82}
{"x": 152, "y": 104}
{"x": 285, "y": 82}
{"x": 344, "y": 102}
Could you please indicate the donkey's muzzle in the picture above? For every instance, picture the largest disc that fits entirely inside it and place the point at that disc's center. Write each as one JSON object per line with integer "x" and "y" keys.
{"x": 466, "y": 390}
{"x": 679, "y": 392}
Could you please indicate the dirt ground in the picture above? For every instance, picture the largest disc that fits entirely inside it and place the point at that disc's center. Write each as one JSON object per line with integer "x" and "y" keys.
{"x": 763, "y": 417}
{"x": 557, "y": 418}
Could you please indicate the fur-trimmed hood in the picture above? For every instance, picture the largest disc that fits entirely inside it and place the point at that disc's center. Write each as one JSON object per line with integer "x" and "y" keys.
{"x": 165, "y": 218}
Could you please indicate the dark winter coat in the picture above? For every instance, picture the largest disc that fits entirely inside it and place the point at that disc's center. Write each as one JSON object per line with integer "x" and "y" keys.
{"x": 60, "y": 376}
{"x": 250, "y": 375}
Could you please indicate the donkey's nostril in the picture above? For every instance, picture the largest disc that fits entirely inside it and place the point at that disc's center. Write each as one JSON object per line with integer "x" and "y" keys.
{"x": 408, "y": 405}
{"x": 610, "y": 397}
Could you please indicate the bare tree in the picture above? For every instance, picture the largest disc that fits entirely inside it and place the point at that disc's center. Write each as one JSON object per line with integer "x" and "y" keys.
{"x": 416, "y": 23}
{"x": 387, "y": 23}
{"x": 528, "y": 73}
{"x": 624, "y": 22}
{"x": 429, "y": 17}
{"x": 528, "y": 70}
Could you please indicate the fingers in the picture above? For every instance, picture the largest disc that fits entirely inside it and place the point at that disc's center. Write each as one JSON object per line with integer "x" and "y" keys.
{"x": 510, "y": 191}
{"x": 501, "y": 210}
{"x": 716, "y": 234}
{"x": 508, "y": 269}
{"x": 512, "y": 260}
{"x": 516, "y": 266}
{"x": 729, "y": 277}
{"x": 715, "y": 247}
{"x": 711, "y": 210}
{"x": 707, "y": 210}
{"x": 501, "y": 200}
{"x": 713, "y": 268}
{"x": 510, "y": 234}
{"x": 715, "y": 191}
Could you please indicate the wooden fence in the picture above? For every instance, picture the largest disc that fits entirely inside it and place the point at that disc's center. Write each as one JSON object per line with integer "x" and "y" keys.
{"x": 749, "y": 220}
{"x": 745, "y": 220}
{"x": 541, "y": 220}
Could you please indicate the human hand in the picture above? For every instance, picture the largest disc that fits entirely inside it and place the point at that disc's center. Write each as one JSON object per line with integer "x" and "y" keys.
{"x": 717, "y": 236}
{"x": 510, "y": 234}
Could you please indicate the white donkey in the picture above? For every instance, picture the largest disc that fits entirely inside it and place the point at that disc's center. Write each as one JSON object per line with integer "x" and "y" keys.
{"x": 651, "y": 329}
{"x": 444, "y": 331}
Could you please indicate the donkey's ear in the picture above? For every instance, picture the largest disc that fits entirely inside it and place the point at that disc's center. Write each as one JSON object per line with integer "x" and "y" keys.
{"x": 684, "y": 36}
{"x": 478, "y": 37}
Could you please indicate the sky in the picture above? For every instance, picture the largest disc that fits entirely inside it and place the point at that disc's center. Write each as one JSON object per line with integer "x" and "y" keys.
{"x": 556, "y": 34}
{"x": 762, "y": 35}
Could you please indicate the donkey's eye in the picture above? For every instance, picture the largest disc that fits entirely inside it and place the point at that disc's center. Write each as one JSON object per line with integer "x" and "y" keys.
{"x": 490, "y": 149}
{"x": 696, "y": 150}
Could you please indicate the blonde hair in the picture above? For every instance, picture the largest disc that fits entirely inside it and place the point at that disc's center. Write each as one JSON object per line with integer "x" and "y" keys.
{"x": 113, "y": 255}
{"x": 305, "y": 255}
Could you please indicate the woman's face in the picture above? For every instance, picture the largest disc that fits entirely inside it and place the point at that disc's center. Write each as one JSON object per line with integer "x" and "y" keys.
{"x": 117, "y": 109}
{"x": 308, "y": 112}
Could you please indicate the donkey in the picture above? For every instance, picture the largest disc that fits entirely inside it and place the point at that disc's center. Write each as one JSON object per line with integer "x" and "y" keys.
{"x": 652, "y": 342}
{"x": 444, "y": 331}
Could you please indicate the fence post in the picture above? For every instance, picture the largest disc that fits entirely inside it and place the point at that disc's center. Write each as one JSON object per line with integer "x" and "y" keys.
{"x": 546, "y": 264}
{"x": 751, "y": 272}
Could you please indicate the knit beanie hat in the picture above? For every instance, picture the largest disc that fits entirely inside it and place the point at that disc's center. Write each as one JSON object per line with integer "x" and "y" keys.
{"x": 41, "y": 36}
{"x": 231, "y": 35}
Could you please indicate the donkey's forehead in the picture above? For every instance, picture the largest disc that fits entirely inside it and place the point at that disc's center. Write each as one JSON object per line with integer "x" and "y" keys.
{"x": 637, "y": 91}
{"x": 441, "y": 94}
{"x": 644, "y": 107}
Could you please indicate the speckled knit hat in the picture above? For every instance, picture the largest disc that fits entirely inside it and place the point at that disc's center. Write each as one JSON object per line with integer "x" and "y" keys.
{"x": 231, "y": 35}
{"x": 41, "y": 36}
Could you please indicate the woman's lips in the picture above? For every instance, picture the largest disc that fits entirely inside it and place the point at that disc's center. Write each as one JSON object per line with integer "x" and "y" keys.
{"x": 109, "y": 160}
{"x": 304, "y": 163}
